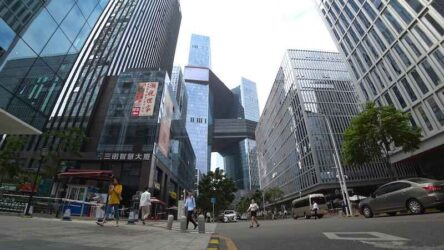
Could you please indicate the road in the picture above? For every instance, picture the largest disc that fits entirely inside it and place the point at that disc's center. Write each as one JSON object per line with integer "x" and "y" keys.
{"x": 398, "y": 232}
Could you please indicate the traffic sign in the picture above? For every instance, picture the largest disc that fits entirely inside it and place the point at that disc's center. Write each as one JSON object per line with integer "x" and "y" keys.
{"x": 213, "y": 200}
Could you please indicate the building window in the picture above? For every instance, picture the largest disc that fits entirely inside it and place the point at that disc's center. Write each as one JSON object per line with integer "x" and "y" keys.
{"x": 415, "y": 4}
{"x": 437, "y": 111}
{"x": 402, "y": 12}
{"x": 388, "y": 99}
{"x": 425, "y": 118}
{"x": 393, "y": 63}
{"x": 439, "y": 7}
{"x": 409, "y": 42}
{"x": 369, "y": 10}
{"x": 388, "y": 15}
{"x": 409, "y": 90}
{"x": 439, "y": 58}
{"x": 385, "y": 31}
{"x": 419, "y": 81}
{"x": 399, "y": 96}
{"x": 6, "y": 35}
{"x": 402, "y": 55}
{"x": 426, "y": 39}
{"x": 438, "y": 27}
{"x": 431, "y": 72}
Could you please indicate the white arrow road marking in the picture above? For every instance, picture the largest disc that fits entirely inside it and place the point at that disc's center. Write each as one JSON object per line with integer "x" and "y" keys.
{"x": 363, "y": 236}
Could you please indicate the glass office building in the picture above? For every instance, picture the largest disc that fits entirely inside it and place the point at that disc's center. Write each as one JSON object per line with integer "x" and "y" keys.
{"x": 39, "y": 43}
{"x": 200, "y": 51}
{"x": 395, "y": 51}
{"x": 294, "y": 148}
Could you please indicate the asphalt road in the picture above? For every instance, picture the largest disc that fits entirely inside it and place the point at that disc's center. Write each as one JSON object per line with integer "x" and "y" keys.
{"x": 398, "y": 232}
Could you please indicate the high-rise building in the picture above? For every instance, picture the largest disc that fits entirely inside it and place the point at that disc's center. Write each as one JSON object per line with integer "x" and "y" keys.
{"x": 200, "y": 51}
{"x": 294, "y": 149}
{"x": 394, "y": 49}
{"x": 39, "y": 44}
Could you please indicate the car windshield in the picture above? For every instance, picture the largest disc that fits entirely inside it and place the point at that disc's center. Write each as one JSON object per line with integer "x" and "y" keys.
{"x": 420, "y": 180}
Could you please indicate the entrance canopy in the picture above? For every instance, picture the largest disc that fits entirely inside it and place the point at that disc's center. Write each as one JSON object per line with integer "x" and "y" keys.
{"x": 101, "y": 175}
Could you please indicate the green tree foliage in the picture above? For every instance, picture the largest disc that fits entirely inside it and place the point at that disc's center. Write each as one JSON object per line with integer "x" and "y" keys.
{"x": 273, "y": 194}
{"x": 215, "y": 184}
{"x": 66, "y": 142}
{"x": 9, "y": 157}
{"x": 377, "y": 131}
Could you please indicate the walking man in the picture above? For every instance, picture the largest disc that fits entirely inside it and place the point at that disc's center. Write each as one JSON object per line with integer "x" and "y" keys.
{"x": 145, "y": 204}
{"x": 190, "y": 205}
{"x": 315, "y": 209}
{"x": 253, "y": 212}
{"x": 115, "y": 196}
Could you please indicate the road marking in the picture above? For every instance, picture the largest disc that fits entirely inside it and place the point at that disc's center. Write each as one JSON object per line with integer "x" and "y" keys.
{"x": 363, "y": 236}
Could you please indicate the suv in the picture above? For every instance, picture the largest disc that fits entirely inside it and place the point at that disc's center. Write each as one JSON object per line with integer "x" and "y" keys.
{"x": 413, "y": 195}
{"x": 230, "y": 215}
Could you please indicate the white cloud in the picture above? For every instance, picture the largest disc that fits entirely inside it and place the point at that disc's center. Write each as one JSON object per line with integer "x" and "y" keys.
{"x": 249, "y": 37}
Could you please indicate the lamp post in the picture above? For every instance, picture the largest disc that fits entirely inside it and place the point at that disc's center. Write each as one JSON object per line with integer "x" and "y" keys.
{"x": 43, "y": 154}
{"x": 337, "y": 160}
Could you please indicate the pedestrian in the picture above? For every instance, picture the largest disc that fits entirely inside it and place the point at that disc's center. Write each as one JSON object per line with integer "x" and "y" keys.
{"x": 190, "y": 206}
{"x": 253, "y": 213}
{"x": 145, "y": 204}
{"x": 115, "y": 196}
{"x": 315, "y": 209}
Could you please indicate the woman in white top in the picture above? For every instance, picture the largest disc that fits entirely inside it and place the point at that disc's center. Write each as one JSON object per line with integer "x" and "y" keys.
{"x": 253, "y": 211}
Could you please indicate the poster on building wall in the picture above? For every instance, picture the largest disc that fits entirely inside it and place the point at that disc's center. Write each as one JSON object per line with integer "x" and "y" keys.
{"x": 145, "y": 99}
{"x": 165, "y": 124}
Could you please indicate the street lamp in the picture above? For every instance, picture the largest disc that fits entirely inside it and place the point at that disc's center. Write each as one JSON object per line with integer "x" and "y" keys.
{"x": 43, "y": 154}
{"x": 337, "y": 161}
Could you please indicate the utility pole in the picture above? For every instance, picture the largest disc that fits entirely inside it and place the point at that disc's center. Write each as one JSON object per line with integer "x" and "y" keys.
{"x": 43, "y": 154}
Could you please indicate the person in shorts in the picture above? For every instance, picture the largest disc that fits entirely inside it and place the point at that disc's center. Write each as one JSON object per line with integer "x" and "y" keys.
{"x": 115, "y": 196}
{"x": 253, "y": 213}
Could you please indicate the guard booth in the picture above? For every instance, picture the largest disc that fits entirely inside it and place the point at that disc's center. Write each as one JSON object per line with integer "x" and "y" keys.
{"x": 78, "y": 191}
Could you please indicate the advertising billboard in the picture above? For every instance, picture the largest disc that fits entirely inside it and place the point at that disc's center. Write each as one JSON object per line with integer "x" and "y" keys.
{"x": 145, "y": 99}
{"x": 165, "y": 124}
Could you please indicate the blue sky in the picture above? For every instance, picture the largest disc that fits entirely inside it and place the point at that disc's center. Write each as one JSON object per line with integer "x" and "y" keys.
{"x": 249, "y": 37}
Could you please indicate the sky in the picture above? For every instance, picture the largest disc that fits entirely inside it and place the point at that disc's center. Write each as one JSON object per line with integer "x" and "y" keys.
{"x": 249, "y": 37}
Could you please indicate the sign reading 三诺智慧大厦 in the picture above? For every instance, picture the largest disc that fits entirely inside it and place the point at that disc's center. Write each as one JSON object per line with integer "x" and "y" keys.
{"x": 145, "y": 99}
{"x": 117, "y": 156}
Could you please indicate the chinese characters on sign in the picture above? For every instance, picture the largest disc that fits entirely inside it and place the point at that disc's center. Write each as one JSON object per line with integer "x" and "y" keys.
{"x": 124, "y": 156}
{"x": 145, "y": 99}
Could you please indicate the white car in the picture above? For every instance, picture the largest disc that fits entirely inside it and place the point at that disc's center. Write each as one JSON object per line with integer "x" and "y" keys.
{"x": 230, "y": 215}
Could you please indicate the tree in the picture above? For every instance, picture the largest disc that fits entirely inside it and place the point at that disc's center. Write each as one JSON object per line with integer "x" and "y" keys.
{"x": 9, "y": 157}
{"x": 215, "y": 184}
{"x": 273, "y": 194}
{"x": 377, "y": 131}
{"x": 67, "y": 141}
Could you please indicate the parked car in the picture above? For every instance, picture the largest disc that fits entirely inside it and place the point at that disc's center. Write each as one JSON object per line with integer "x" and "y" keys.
{"x": 242, "y": 216}
{"x": 413, "y": 195}
{"x": 230, "y": 215}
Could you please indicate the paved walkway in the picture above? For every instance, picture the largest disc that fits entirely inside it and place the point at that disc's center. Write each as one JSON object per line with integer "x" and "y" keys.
{"x": 42, "y": 233}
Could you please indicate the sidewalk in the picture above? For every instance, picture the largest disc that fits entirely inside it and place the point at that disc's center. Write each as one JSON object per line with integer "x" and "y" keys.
{"x": 44, "y": 233}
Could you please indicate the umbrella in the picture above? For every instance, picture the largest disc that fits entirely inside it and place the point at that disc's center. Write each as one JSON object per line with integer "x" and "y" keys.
{"x": 357, "y": 197}
{"x": 155, "y": 200}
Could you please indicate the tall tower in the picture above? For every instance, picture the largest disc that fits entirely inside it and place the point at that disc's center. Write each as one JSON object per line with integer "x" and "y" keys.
{"x": 395, "y": 51}
{"x": 294, "y": 149}
{"x": 200, "y": 51}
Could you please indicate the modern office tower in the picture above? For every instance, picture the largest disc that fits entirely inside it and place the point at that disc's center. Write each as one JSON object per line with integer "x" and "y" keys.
{"x": 137, "y": 135}
{"x": 200, "y": 51}
{"x": 179, "y": 91}
{"x": 294, "y": 149}
{"x": 39, "y": 43}
{"x": 394, "y": 49}
{"x": 131, "y": 34}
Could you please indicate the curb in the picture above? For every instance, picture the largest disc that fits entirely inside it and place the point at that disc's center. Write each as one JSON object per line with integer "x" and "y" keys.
{"x": 220, "y": 242}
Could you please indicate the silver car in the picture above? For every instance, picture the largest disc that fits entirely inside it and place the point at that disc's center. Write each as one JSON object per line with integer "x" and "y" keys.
{"x": 413, "y": 195}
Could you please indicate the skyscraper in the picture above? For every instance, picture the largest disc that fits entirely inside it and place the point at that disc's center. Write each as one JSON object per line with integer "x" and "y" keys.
{"x": 39, "y": 43}
{"x": 294, "y": 149}
{"x": 394, "y": 50}
{"x": 200, "y": 51}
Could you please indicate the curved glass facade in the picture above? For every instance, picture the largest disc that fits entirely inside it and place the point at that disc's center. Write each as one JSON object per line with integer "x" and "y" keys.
{"x": 40, "y": 41}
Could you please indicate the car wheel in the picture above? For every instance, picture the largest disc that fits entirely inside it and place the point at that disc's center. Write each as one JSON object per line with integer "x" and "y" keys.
{"x": 415, "y": 207}
{"x": 392, "y": 213}
{"x": 367, "y": 212}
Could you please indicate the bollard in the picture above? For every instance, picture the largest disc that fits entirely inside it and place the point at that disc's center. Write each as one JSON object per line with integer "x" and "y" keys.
{"x": 201, "y": 224}
{"x": 183, "y": 224}
{"x": 67, "y": 215}
{"x": 170, "y": 222}
{"x": 131, "y": 218}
